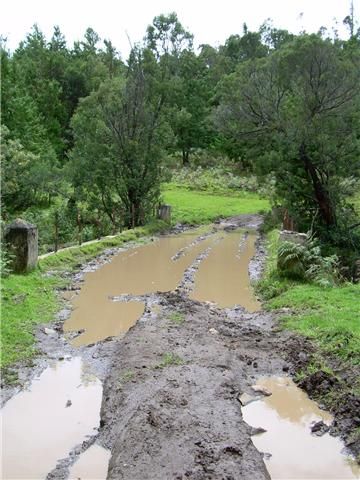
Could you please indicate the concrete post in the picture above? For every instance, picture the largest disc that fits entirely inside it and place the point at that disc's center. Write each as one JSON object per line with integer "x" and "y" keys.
{"x": 22, "y": 240}
{"x": 164, "y": 213}
{"x": 294, "y": 237}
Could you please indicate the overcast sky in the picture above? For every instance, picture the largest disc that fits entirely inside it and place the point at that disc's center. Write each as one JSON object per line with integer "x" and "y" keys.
{"x": 211, "y": 21}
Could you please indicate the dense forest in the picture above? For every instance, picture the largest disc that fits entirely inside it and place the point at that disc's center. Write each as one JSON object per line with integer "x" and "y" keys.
{"x": 87, "y": 138}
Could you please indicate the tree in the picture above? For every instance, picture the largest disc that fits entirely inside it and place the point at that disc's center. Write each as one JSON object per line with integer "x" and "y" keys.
{"x": 189, "y": 106}
{"x": 300, "y": 109}
{"x": 167, "y": 37}
{"x": 118, "y": 139}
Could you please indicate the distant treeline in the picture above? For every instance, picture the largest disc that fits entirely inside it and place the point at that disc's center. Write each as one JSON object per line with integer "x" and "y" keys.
{"x": 87, "y": 137}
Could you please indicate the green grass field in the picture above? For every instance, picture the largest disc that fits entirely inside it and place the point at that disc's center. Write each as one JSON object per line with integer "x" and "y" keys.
{"x": 198, "y": 207}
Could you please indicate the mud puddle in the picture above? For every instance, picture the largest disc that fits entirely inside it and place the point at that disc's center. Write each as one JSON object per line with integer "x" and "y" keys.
{"x": 223, "y": 276}
{"x": 159, "y": 267}
{"x": 288, "y": 415}
{"x": 42, "y": 424}
{"x": 91, "y": 465}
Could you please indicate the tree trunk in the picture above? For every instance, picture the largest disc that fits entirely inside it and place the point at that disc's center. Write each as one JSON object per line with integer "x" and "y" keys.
{"x": 321, "y": 194}
{"x": 185, "y": 157}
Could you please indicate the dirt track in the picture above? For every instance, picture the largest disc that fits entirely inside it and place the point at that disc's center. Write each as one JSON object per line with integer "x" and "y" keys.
{"x": 184, "y": 421}
{"x": 170, "y": 404}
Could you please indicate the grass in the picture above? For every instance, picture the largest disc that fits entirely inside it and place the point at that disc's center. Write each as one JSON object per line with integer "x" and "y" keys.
{"x": 327, "y": 315}
{"x": 26, "y": 301}
{"x": 177, "y": 317}
{"x": 198, "y": 207}
{"x": 127, "y": 376}
{"x": 169, "y": 359}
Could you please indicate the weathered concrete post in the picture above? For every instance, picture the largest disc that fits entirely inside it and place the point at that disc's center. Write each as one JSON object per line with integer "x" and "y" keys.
{"x": 164, "y": 213}
{"x": 22, "y": 240}
{"x": 294, "y": 237}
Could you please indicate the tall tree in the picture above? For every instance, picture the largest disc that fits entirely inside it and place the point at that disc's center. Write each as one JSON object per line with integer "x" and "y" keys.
{"x": 300, "y": 109}
{"x": 118, "y": 139}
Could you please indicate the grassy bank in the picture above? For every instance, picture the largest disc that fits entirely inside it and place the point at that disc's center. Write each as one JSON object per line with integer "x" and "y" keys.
{"x": 329, "y": 316}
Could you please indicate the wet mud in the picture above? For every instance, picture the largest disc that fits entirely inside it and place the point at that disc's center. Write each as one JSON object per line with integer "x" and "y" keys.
{"x": 172, "y": 384}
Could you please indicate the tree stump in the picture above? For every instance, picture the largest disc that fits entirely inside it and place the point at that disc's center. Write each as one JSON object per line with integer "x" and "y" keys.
{"x": 21, "y": 238}
{"x": 164, "y": 213}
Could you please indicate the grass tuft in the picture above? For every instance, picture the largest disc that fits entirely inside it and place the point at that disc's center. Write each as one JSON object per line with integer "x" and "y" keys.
{"x": 169, "y": 359}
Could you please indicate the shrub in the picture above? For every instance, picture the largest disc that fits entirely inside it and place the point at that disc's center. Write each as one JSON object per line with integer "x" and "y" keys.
{"x": 305, "y": 262}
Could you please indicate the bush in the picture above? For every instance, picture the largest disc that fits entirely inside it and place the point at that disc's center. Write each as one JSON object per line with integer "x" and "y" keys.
{"x": 214, "y": 179}
{"x": 5, "y": 261}
{"x": 305, "y": 262}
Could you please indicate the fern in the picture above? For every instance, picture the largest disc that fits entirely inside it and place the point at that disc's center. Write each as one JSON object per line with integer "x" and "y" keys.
{"x": 305, "y": 262}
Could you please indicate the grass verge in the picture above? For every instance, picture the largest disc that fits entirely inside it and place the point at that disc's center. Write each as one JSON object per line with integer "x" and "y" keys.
{"x": 329, "y": 316}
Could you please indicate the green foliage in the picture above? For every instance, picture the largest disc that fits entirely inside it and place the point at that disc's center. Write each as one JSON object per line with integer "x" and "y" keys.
{"x": 296, "y": 113}
{"x": 5, "y": 261}
{"x": 177, "y": 317}
{"x": 214, "y": 179}
{"x": 118, "y": 139}
{"x": 305, "y": 262}
{"x": 328, "y": 316}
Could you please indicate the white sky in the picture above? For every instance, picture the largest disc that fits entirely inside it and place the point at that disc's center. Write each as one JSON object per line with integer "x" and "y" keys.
{"x": 211, "y": 21}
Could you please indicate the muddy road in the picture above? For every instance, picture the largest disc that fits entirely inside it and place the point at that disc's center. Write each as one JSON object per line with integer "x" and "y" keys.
{"x": 163, "y": 365}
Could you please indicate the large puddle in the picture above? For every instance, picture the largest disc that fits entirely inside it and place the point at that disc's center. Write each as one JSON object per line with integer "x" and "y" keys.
{"x": 222, "y": 278}
{"x": 42, "y": 424}
{"x": 287, "y": 416}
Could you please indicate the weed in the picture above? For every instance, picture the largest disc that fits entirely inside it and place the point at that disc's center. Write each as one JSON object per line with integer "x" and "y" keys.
{"x": 169, "y": 359}
{"x": 177, "y": 317}
{"x": 127, "y": 376}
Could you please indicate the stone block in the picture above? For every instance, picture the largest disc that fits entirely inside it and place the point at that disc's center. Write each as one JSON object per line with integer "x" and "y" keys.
{"x": 21, "y": 238}
{"x": 294, "y": 237}
{"x": 164, "y": 213}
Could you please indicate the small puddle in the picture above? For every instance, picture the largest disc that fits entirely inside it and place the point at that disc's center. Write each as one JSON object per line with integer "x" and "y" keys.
{"x": 223, "y": 276}
{"x": 91, "y": 465}
{"x": 287, "y": 416}
{"x": 40, "y": 426}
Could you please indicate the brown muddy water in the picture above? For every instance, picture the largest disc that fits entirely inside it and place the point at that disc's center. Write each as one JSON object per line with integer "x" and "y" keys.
{"x": 222, "y": 278}
{"x": 43, "y": 423}
{"x": 287, "y": 416}
{"x": 91, "y": 465}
